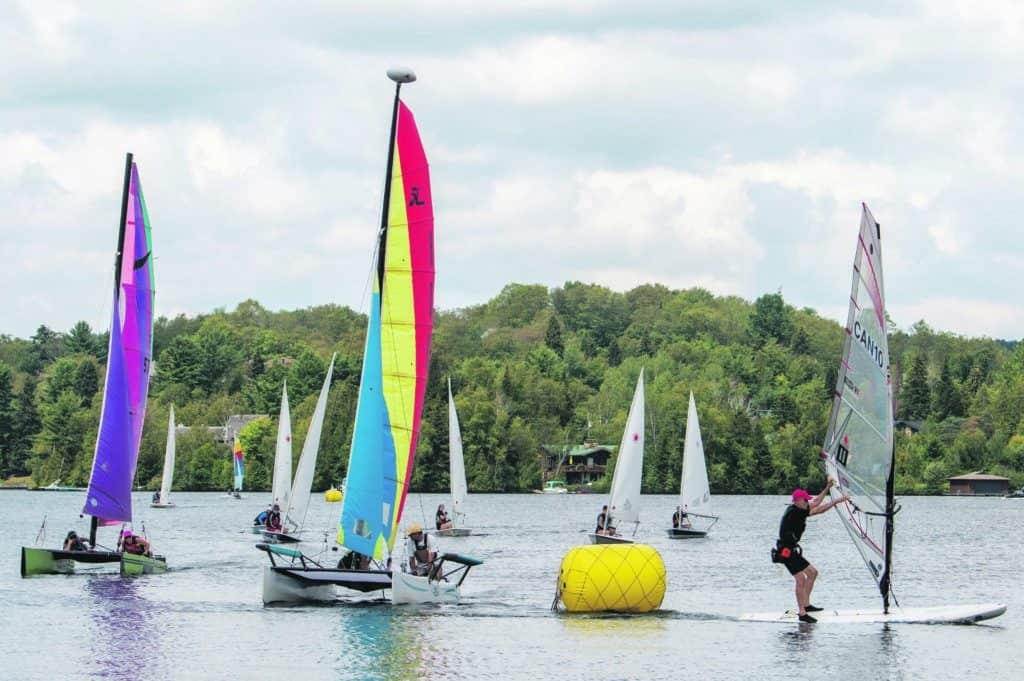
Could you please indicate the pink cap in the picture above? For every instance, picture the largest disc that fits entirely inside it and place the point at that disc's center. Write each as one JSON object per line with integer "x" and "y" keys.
{"x": 126, "y": 533}
{"x": 801, "y": 494}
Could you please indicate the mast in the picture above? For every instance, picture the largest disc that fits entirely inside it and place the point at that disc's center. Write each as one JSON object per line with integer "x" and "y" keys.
{"x": 118, "y": 259}
{"x": 399, "y": 76}
{"x": 885, "y": 583}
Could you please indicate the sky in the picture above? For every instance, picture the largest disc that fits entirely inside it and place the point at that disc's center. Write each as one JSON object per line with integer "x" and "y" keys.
{"x": 721, "y": 145}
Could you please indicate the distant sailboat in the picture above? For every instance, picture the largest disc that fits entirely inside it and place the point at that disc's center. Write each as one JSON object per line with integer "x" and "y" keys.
{"x": 456, "y": 473}
{"x": 163, "y": 500}
{"x": 391, "y": 394}
{"x": 294, "y": 511}
{"x": 624, "y": 504}
{"x": 238, "y": 462}
{"x": 281, "y": 483}
{"x": 859, "y": 452}
{"x": 109, "y": 495}
{"x": 694, "y": 491}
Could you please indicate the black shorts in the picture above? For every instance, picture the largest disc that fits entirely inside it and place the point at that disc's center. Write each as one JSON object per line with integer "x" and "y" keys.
{"x": 796, "y": 563}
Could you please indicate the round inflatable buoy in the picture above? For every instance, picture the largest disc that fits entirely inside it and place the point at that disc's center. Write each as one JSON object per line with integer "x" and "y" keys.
{"x": 332, "y": 495}
{"x": 615, "y": 578}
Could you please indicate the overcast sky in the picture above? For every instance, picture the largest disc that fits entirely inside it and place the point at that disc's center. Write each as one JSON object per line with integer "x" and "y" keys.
{"x": 685, "y": 143}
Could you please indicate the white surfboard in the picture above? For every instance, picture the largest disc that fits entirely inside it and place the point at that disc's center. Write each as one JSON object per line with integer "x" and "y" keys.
{"x": 942, "y": 614}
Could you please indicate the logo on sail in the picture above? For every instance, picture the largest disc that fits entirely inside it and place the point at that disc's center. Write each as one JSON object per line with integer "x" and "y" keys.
{"x": 415, "y": 200}
{"x": 870, "y": 346}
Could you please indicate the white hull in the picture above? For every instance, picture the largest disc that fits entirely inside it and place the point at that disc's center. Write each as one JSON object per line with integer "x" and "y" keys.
{"x": 157, "y": 504}
{"x": 279, "y": 588}
{"x": 454, "y": 532}
{"x": 943, "y": 614}
{"x": 406, "y": 588}
{"x": 608, "y": 539}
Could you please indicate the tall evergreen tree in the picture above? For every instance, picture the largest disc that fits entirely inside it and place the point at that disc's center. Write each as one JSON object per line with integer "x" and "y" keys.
{"x": 80, "y": 340}
{"x": 553, "y": 336}
{"x": 8, "y": 434}
{"x": 947, "y": 395}
{"x": 917, "y": 395}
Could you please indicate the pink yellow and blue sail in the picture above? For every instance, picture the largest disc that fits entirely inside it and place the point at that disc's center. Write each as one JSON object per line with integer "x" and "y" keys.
{"x": 128, "y": 362}
{"x": 397, "y": 353}
{"x": 239, "y": 461}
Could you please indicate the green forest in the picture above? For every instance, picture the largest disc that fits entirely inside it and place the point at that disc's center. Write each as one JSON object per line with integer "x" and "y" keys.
{"x": 533, "y": 366}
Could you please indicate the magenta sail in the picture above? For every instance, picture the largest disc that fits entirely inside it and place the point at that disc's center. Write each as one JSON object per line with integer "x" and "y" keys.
{"x": 128, "y": 362}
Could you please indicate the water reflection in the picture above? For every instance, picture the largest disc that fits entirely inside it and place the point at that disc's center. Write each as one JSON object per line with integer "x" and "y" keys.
{"x": 390, "y": 643}
{"x": 125, "y": 644}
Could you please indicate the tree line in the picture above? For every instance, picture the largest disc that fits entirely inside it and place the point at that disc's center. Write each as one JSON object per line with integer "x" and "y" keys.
{"x": 533, "y": 366}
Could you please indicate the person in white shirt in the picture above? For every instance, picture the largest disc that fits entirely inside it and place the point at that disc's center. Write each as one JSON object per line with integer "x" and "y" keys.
{"x": 420, "y": 550}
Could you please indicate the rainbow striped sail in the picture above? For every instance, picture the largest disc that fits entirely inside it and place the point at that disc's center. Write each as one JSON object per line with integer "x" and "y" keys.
{"x": 109, "y": 497}
{"x": 397, "y": 354}
{"x": 239, "y": 464}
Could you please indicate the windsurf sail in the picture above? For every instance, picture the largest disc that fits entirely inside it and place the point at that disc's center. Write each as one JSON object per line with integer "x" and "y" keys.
{"x": 694, "y": 491}
{"x": 397, "y": 354}
{"x": 858, "y": 449}
{"x": 239, "y": 464}
{"x": 168, "y": 476}
{"x": 456, "y": 466}
{"x": 295, "y": 515}
{"x": 281, "y": 486}
{"x": 126, "y": 385}
{"x": 624, "y": 505}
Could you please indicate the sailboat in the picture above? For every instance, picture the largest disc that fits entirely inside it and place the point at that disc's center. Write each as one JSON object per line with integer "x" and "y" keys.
{"x": 456, "y": 473}
{"x": 859, "y": 454}
{"x": 163, "y": 500}
{"x": 624, "y": 504}
{"x": 296, "y": 501}
{"x": 391, "y": 391}
{"x": 280, "y": 489}
{"x": 238, "y": 461}
{"x": 694, "y": 491}
{"x": 108, "y": 498}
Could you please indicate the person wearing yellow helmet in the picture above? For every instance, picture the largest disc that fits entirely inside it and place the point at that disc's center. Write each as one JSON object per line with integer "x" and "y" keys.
{"x": 420, "y": 550}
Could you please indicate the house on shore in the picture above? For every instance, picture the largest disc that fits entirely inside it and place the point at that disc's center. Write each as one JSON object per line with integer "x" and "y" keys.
{"x": 576, "y": 464}
{"x": 979, "y": 484}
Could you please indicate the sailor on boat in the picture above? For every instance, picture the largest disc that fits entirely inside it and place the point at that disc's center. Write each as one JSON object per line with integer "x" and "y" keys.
{"x": 420, "y": 550}
{"x": 602, "y": 520}
{"x": 680, "y": 519}
{"x": 273, "y": 520}
{"x": 261, "y": 519}
{"x": 787, "y": 549}
{"x": 441, "y": 519}
{"x": 134, "y": 544}
{"x": 74, "y": 543}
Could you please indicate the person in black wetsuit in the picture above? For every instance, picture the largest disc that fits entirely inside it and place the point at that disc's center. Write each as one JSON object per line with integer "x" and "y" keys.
{"x": 787, "y": 548}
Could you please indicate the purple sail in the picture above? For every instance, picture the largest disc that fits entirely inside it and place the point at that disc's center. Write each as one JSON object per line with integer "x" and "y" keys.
{"x": 109, "y": 497}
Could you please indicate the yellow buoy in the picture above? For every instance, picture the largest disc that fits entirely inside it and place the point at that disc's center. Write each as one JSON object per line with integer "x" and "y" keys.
{"x": 616, "y": 578}
{"x": 332, "y": 495}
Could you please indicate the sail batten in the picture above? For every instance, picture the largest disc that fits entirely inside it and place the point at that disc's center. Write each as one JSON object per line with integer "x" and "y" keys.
{"x": 858, "y": 449}
{"x": 397, "y": 352}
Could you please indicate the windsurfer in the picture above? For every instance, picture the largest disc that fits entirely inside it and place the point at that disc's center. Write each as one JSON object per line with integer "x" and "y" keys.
{"x": 441, "y": 519}
{"x": 788, "y": 551}
{"x": 420, "y": 550}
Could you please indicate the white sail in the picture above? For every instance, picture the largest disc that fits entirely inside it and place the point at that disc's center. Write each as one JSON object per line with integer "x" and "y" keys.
{"x": 296, "y": 514}
{"x": 168, "y": 477}
{"x": 858, "y": 449}
{"x": 624, "y": 506}
{"x": 456, "y": 466}
{"x": 694, "y": 491}
{"x": 282, "y": 483}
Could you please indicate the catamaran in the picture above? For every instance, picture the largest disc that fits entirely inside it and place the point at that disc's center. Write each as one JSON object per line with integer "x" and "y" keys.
{"x": 859, "y": 454}
{"x": 296, "y": 501}
{"x": 456, "y": 473}
{"x": 694, "y": 491}
{"x": 108, "y": 498}
{"x": 391, "y": 391}
{"x": 624, "y": 504}
{"x": 163, "y": 499}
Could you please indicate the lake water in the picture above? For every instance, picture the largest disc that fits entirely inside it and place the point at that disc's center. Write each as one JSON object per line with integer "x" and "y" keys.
{"x": 204, "y": 619}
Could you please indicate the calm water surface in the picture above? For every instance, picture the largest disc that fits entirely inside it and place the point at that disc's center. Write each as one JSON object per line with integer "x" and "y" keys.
{"x": 204, "y": 619}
